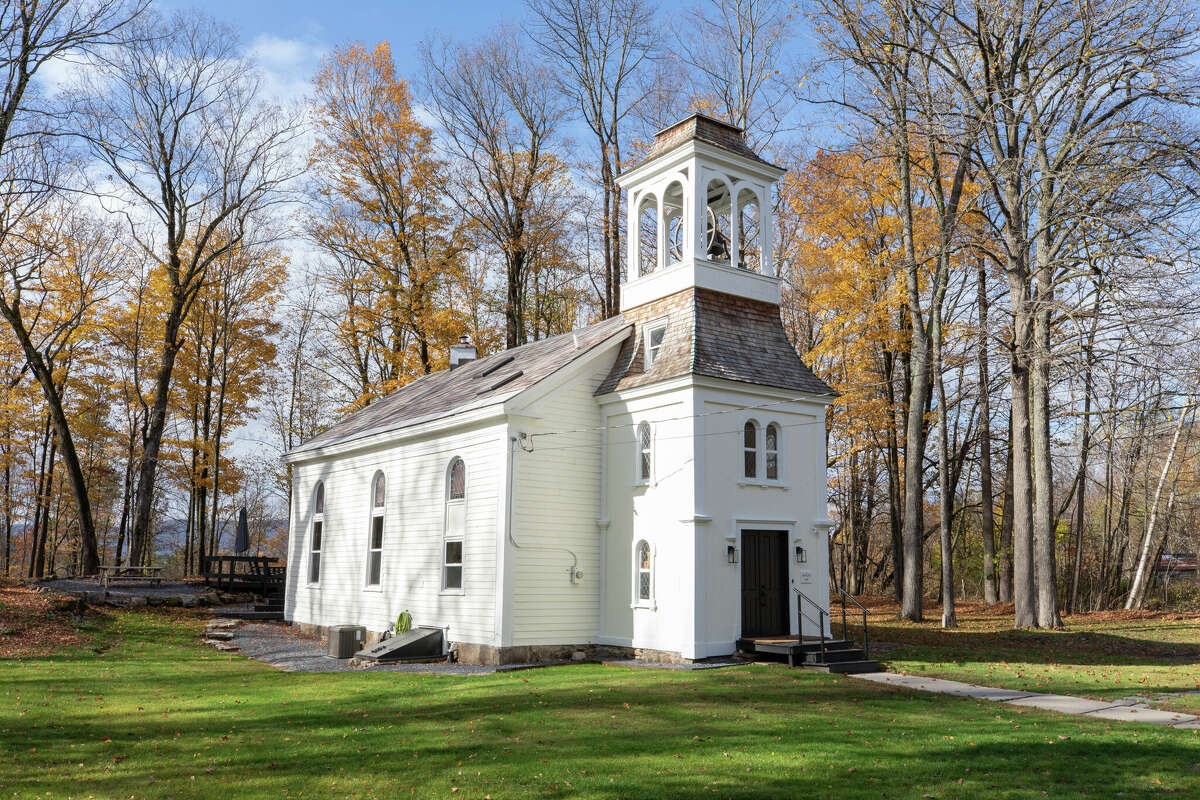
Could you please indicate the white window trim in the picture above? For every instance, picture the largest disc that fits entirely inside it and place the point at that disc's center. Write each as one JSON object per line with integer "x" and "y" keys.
{"x": 762, "y": 481}
{"x": 374, "y": 514}
{"x": 638, "y": 480}
{"x": 647, "y": 328}
{"x": 458, "y": 537}
{"x": 767, "y": 452}
{"x": 636, "y": 600}
{"x": 756, "y": 478}
{"x": 312, "y": 524}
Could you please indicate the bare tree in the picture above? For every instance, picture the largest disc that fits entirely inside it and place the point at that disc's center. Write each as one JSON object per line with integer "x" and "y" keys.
{"x": 600, "y": 48}
{"x": 499, "y": 111}
{"x": 192, "y": 157}
{"x": 736, "y": 52}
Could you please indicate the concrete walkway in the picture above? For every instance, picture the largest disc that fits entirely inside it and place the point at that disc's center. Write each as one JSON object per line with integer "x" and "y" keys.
{"x": 1127, "y": 709}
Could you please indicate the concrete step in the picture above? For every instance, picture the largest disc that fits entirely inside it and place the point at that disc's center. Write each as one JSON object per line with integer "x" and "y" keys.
{"x": 793, "y": 646}
{"x": 829, "y": 656}
{"x": 845, "y": 667}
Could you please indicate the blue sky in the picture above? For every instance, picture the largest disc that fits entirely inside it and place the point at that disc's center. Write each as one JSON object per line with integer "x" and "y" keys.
{"x": 322, "y": 24}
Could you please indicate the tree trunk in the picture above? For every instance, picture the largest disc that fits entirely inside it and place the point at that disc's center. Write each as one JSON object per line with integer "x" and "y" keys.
{"x": 140, "y": 554}
{"x": 1141, "y": 575}
{"x": 945, "y": 490}
{"x": 43, "y": 372}
{"x": 1024, "y": 598}
{"x": 987, "y": 519}
{"x": 1045, "y": 568}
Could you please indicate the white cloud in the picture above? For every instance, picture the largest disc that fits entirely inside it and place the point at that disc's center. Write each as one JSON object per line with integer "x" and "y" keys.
{"x": 287, "y": 65}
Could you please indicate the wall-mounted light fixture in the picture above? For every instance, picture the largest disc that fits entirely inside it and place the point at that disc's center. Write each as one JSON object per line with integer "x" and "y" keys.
{"x": 801, "y": 556}
{"x": 731, "y": 554}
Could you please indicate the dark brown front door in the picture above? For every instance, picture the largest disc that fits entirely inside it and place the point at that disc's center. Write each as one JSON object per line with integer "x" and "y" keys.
{"x": 764, "y": 583}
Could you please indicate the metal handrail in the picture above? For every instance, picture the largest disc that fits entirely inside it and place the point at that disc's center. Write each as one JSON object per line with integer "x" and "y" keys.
{"x": 845, "y": 635}
{"x": 821, "y": 612}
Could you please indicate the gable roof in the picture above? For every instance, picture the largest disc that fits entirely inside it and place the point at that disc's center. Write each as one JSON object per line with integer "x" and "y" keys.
{"x": 476, "y": 384}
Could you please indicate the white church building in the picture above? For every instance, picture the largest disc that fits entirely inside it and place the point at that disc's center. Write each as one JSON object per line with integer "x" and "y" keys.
{"x": 653, "y": 484}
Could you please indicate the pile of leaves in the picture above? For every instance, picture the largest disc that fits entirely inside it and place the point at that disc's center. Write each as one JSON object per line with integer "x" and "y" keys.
{"x": 34, "y": 623}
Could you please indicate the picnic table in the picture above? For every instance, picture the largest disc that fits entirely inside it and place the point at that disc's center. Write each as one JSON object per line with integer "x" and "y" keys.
{"x": 126, "y": 573}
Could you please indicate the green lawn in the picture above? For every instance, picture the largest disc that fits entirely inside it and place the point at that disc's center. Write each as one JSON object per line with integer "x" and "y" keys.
{"x": 1105, "y": 656}
{"x": 156, "y": 714}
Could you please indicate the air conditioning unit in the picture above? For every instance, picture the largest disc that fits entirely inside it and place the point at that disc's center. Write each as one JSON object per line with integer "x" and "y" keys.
{"x": 346, "y": 640}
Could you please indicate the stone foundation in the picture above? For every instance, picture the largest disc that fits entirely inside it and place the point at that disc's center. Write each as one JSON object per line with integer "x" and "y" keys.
{"x": 488, "y": 655}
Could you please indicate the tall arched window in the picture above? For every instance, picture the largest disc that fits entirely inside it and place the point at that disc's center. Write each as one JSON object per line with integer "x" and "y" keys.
{"x": 375, "y": 543}
{"x": 647, "y": 235}
{"x": 643, "y": 574}
{"x": 318, "y": 528}
{"x": 772, "y": 452}
{"x": 749, "y": 251}
{"x": 673, "y": 222}
{"x": 750, "y": 449}
{"x": 716, "y": 236}
{"x": 645, "y": 453}
{"x": 452, "y": 546}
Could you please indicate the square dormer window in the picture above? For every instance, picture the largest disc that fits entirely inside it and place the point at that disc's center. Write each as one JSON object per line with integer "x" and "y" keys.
{"x": 655, "y": 333}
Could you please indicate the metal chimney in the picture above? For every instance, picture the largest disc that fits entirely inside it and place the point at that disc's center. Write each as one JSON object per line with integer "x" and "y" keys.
{"x": 462, "y": 352}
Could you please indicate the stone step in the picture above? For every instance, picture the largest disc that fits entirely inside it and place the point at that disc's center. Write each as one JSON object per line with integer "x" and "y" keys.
{"x": 261, "y": 615}
{"x": 219, "y": 635}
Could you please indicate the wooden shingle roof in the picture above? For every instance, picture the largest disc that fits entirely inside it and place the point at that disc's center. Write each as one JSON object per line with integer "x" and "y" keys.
{"x": 716, "y": 335}
{"x": 473, "y": 385}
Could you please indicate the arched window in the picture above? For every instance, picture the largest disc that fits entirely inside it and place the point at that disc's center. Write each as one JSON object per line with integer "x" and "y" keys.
{"x": 375, "y": 544}
{"x": 772, "y": 452}
{"x": 645, "y": 454}
{"x": 749, "y": 251}
{"x": 647, "y": 235}
{"x": 750, "y": 449}
{"x": 314, "y": 542}
{"x": 452, "y": 546}
{"x": 643, "y": 574}
{"x": 716, "y": 236}
{"x": 673, "y": 222}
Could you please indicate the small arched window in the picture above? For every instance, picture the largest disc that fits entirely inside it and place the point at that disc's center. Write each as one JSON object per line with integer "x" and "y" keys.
{"x": 458, "y": 480}
{"x": 750, "y": 449}
{"x": 318, "y": 528}
{"x": 375, "y": 544}
{"x": 452, "y": 545}
{"x": 645, "y": 453}
{"x": 643, "y": 574}
{"x": 772, "y": 452}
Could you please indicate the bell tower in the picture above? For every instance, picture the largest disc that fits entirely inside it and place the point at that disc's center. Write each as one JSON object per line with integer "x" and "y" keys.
{"x": 699, "y": 216}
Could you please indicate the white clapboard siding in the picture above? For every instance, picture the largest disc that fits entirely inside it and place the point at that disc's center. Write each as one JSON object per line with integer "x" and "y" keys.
{"x": 411, "y": 577}
{"x": 555, "y": 509}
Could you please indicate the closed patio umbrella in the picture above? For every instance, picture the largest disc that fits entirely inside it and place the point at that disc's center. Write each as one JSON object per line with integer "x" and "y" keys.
{"x": 241, "y": 542}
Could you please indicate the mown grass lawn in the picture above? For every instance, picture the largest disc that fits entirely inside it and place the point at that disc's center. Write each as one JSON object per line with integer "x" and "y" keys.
{"x": 157, "y": 714}
{"x": 1107, "y": 655}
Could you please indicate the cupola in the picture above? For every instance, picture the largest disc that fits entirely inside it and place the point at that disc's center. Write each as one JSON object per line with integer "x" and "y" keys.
{"x": 699, "y": 216}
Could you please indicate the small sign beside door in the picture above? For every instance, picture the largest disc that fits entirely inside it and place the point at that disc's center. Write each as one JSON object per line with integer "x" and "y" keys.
{"x": 806, "y": 576}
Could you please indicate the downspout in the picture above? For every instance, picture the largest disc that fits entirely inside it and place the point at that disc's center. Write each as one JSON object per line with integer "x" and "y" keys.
{"x": 574, "y": 574}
